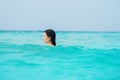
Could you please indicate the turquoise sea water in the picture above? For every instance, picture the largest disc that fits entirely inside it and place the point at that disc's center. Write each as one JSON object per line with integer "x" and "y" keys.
{"x": 77, "y": 56}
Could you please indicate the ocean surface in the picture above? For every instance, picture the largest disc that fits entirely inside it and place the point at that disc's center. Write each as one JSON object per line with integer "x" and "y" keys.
{"x": 77, "y": 56}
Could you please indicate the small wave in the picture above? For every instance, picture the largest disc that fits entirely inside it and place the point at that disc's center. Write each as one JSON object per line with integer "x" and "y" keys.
{"x": 58, "y": 48}
{"x": 19, "y": 63}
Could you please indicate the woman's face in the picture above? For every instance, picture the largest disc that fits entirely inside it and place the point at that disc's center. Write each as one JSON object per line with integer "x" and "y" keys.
{"x": 46, "y": 39}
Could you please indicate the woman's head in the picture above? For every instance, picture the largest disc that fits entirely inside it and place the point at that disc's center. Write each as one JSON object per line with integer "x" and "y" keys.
{"x": 49, "y": 37}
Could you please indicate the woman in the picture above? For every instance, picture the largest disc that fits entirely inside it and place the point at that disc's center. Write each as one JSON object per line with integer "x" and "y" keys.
{"x": 49, "y": 37}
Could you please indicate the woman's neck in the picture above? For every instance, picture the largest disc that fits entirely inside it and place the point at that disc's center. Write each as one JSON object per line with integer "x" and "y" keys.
{"x": 50, "y": 44}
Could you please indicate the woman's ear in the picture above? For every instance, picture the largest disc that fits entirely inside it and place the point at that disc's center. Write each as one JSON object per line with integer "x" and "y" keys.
{"x": 49, "y": 38}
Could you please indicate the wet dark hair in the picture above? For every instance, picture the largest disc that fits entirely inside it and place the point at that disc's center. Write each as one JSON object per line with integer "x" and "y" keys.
{"x": 51, "y": 33}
